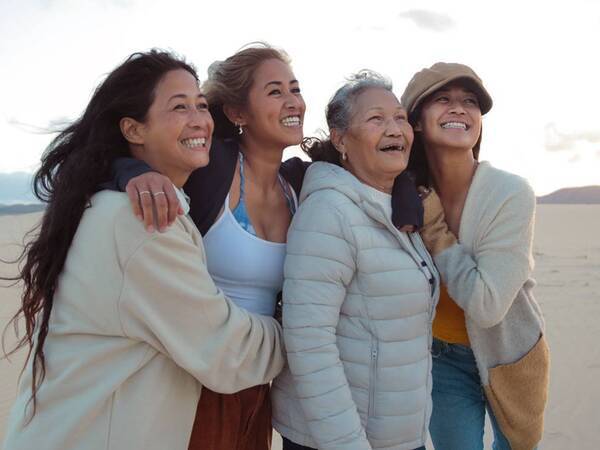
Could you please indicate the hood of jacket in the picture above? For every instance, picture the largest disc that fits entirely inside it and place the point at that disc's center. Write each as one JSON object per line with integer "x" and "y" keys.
{"x": 321, "y": 176}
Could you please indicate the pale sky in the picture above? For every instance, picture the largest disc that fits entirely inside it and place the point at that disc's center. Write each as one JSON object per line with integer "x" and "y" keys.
{"x": 539, "y": 61}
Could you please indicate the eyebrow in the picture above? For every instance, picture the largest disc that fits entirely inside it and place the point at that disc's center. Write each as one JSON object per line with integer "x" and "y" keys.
{"x": 278, "y": 83}
{"x": 183, "y": 96}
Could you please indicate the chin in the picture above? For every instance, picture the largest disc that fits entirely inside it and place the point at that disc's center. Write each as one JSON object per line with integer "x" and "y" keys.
{"x": 200, "y": 161}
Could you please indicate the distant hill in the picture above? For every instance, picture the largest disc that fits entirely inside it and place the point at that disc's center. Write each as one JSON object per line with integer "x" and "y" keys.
{"x": 21, "y": 209}
{"x": 585, "y": 195}
{"x": 16, "y": 188}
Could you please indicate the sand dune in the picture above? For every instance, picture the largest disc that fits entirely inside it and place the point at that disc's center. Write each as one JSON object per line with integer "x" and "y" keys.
{"x": 567, "y": 252}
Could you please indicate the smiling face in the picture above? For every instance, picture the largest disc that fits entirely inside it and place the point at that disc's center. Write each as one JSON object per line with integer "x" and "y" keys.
{"x": 175, "y": 138}
{"x": 275, "y": 111}
{"x": 450, "y": 118}
{"x": 378, "y": 140}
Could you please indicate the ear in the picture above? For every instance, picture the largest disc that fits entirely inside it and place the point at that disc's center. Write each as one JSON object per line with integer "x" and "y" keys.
{"x": 418, "y": 127}
{"x": 234, "y": 114}
{"x": 337, "y": 139}
{"x": 132, "y": 130}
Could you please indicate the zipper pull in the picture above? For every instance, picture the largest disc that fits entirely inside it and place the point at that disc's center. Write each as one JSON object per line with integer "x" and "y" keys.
{"x": 427, "y": 272}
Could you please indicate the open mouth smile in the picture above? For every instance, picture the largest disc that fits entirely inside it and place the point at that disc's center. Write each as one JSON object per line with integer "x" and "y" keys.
{"x": 455, "y": 126}
{"x": 193, "y": 143}
{"x": 291, "y": 121}
{"x": 393, "y": 148}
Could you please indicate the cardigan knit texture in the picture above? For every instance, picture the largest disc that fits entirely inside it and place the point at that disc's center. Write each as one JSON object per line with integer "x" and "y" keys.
{"x": 487, "y": 271}
{"x": 137, "y": 328}
{"x": 358, "y": 300}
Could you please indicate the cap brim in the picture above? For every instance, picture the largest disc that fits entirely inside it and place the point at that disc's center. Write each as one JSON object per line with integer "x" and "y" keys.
{"x": 484, "y": 98}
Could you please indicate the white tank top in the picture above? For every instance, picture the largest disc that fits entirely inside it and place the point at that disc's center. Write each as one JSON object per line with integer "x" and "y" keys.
{"x": 248, "y": 269}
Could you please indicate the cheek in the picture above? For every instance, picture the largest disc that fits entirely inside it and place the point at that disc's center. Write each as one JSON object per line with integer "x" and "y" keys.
{"x": 170, "y": 124}
{"x": 408, "y": 133}
{"x": 302, "y": 106}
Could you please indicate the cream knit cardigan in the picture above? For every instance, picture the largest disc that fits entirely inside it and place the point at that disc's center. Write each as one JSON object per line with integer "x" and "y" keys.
{"x": 488, "y": 274}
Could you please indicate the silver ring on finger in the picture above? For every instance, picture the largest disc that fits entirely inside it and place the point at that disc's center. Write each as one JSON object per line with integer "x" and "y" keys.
{"x": 155, "y": 194}
{"x": 144, "y": 192}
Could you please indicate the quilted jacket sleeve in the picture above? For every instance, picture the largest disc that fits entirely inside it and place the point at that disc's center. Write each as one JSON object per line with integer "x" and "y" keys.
{"x": 485, "y": 283}
{"x": 169, "y": 300}
{"x": 319, "y": 266}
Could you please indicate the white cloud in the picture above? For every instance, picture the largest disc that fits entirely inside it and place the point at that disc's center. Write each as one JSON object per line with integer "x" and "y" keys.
{"x": 428, "y": 19}
{"x": 558, "y": 140}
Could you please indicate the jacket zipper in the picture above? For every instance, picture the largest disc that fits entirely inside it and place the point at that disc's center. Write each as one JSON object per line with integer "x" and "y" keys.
{"x": 424, "y": 267}
{"x": 371, "y": 410}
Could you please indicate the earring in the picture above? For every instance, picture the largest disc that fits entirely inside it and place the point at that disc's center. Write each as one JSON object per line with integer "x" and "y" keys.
{"x": 344, "y": 156}
{"x": 240, "y": 129}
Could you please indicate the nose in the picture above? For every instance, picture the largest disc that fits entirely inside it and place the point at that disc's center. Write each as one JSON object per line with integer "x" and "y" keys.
{"x": 393, "y": 128}
{"x": 292, "y": 101}
{"x": 201, "y": 119}
{"x": 456, "y": 107}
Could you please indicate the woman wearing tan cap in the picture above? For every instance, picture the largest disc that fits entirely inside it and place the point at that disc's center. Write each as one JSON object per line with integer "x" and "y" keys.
{"x": 489, "y": 350}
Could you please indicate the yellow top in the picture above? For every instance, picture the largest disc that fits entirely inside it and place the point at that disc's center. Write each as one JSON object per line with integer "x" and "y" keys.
{"x": 449, "y": 323}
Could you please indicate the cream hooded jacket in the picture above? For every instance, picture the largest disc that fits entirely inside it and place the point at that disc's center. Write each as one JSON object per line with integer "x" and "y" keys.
{"x": 358, "y": 302}
{"x": 137, "y": 328}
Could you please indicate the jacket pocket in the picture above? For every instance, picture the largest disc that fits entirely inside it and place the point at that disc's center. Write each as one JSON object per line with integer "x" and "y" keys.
{"x": 517, "y": 394}
{"x": 372, "y": 379}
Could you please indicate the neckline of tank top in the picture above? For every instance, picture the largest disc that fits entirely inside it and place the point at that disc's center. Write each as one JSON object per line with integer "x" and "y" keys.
{"x": 227, "y": 212}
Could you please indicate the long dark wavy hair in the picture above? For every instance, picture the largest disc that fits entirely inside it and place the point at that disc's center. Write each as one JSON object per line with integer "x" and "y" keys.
{"x": 73, "y": 166}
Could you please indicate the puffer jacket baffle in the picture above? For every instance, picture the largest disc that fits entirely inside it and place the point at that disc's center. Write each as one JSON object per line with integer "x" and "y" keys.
{"x": 359, "y": 299}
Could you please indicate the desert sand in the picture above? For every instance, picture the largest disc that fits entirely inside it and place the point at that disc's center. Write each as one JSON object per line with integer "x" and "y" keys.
{"x": 567, "y": 253}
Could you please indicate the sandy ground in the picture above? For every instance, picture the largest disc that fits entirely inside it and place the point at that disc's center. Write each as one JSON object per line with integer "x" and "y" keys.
{"x": 567, "y": 252}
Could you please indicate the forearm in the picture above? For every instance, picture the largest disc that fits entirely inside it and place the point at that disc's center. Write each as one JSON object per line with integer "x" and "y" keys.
{"x": 169, "y": 300}
{"x": 485, "y": 278}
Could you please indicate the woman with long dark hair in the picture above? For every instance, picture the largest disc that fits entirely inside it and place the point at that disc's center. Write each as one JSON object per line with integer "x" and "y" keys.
{"x": 124, "y": 328}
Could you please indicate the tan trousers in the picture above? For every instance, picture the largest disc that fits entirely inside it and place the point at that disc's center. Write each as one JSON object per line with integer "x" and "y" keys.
{"x": 240, "y": 421}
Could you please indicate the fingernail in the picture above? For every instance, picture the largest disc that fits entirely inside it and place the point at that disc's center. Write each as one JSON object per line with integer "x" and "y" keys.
{"x": 139, "y": 216}
{"x": 150, "y": 229}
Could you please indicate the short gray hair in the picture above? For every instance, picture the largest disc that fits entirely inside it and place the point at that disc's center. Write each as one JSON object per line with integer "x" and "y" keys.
{"x": 339, "y": 108}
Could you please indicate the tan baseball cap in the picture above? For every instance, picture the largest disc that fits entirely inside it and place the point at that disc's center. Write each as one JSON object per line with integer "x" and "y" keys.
{"x": 429, "y": 80}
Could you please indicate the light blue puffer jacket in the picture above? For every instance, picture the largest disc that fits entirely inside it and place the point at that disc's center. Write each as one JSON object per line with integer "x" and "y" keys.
{"x": 359, "y": 300}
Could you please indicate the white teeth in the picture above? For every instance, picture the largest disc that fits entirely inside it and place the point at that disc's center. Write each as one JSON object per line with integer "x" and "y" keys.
{"x": 457, "y": 125}
{"x": 292, "y": 121}
{"x": 194, "y": 142}
{"x": 392, "y": 148}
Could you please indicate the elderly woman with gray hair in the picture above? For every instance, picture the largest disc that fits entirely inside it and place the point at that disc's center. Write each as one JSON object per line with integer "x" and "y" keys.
{"x": 359, "y": 294}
